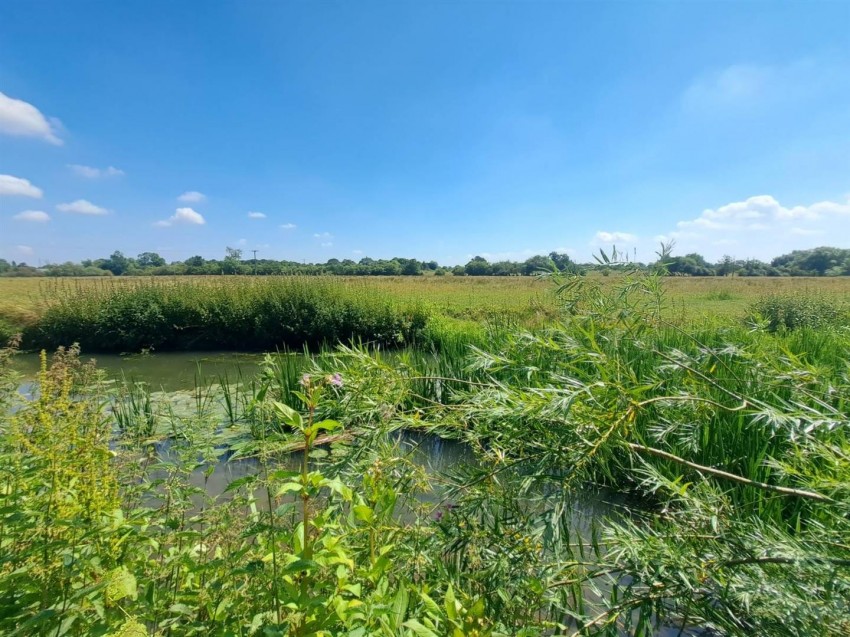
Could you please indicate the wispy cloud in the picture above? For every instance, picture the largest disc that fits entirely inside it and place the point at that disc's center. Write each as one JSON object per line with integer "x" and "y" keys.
{"x": 35, "y": 216}
{"x": 323, "y": 236}
{"x": 614, "y": 237}
{"x": 192, "y": 196}
{"x": 25, "y": 250}
{"x": 742, "y": 88}
{"x": 90, "y": 172}
{"x": 287, "y": 226}
{"x": 82, "y": 207}
{"x": 182, "y": 216}
{"x": 256, "y": 215}
{"x": 736, "y": 84}
{"x": 17, "y": 186}
{"x": 21, "y": 119}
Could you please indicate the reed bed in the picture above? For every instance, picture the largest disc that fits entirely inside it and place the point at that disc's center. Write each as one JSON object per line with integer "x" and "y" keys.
{"x": 248, "y": 315}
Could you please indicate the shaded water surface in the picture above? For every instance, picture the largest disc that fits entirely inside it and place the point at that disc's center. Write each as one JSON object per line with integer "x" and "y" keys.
{"x": 172, "y": 371}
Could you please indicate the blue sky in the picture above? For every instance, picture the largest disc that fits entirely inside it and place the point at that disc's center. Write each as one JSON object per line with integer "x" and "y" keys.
{"x": 436, "y": 130}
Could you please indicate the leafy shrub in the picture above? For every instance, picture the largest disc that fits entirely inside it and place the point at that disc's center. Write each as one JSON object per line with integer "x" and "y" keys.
{"x": 793, "y": 311}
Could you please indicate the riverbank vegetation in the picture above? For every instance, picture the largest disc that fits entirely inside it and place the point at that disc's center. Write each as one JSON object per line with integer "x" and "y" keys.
{"x": 722, "y": 450}
{"x": 129, "y": 314}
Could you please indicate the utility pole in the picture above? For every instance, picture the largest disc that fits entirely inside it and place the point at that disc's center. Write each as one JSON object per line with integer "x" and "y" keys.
{"x": 255, "y": 262}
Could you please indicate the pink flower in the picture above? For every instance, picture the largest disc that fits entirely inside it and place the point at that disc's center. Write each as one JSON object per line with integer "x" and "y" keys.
{"x": 336, "y": 380}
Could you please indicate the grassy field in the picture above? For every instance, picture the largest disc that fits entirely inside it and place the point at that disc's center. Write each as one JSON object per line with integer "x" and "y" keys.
{"x": 23, "y": 300}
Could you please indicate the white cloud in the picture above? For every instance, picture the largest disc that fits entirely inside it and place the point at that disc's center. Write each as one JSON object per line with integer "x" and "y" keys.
{"x": 21, "y": 119}
{"x": 13, "y": 186}
{"x": 357, "y": 252}
{"x": 288, "y": 226}
{"x": 82, "y": 207}
{"x": 323, "y": 235}
{"x": 765, "y": 207}
{"x": 327, "y": 244}
{"x": 95, "y": 173}
{"x": 25, "y": 250}
{"x": 242, "y": 242}
{"x": 192, "y": 196}
{"x": 761, "y": 227}
{"x": 36, "y": 216}
{"x": 256, "y": 215}
{"x": 182, "y": 216}
{"x": 614, "y": 237}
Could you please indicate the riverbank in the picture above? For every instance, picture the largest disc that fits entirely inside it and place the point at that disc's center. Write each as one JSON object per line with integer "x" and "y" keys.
{"x": 130, "y": 314}
{"x": 736, "y": 431}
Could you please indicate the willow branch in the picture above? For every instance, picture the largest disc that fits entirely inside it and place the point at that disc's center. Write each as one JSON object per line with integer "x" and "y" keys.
{"x": 811, "y": 495}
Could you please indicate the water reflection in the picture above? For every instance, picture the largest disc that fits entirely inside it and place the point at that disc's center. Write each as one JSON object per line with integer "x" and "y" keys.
{"x": 172, "y": 371}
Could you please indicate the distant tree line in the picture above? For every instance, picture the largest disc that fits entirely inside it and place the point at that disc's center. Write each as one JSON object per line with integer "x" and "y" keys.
{"x": 824, "y": 261}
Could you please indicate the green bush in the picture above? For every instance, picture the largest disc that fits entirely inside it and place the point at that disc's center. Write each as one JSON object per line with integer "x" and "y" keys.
{"x": 793, "y": 311}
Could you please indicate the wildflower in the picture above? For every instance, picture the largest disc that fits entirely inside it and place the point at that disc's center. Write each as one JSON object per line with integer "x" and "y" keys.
{"x": 335, "y": 380}
{"x": 438, "y": 516}
{"x": 305, "y": 380}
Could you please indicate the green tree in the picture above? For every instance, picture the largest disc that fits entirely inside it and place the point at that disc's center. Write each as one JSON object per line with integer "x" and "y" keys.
{"x": 150, "y": 260}
{"x": 117, "y": 263}
{"x": 536, "y": 264}
{"x": 478, "y": 266}
{"x": 411, "y": 268}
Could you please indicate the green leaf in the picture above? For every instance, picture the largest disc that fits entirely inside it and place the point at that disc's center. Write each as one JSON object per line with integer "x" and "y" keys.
{"x": 289, "y": 486}
{"x": 327, "y": 425}
{"x": 287, "y": 414}
{"x": 477, "y": 609}
{"x": 419, "y": 629}
{"x": 399, "y": 607}
{"x": 431, "y": 605}
{"x": 300, "y": 565}
{"x": 363, "y": 512}
{"x": 240, "y": 482}
{"x": 451, "y": 608}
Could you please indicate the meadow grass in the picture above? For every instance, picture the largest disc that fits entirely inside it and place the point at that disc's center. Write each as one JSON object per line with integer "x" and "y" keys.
{"x": 24, "y": 300}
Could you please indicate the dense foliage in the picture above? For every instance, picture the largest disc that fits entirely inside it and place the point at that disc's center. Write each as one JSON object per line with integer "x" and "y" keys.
{"x": 822, "y": 261}
{"x": 262, "y": 314}
{"x": 723, "y": 451}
